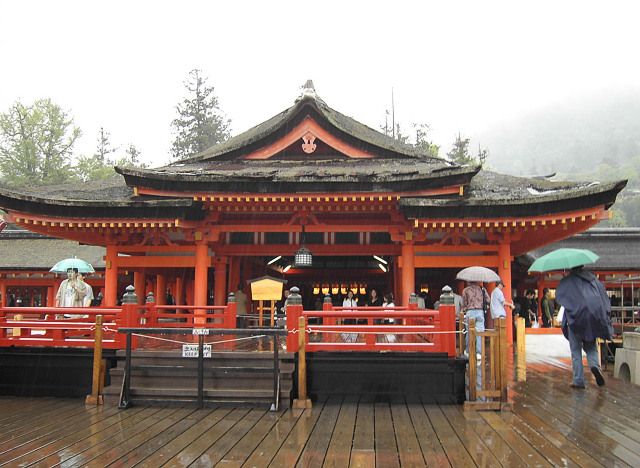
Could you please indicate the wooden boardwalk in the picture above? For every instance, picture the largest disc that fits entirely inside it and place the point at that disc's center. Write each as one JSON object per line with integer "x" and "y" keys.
{"x": 551, "y": 424}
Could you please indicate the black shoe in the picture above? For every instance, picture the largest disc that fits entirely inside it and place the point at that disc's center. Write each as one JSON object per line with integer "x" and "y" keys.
{"x": 597, "y": 373}
{"x": 581, "y": 387}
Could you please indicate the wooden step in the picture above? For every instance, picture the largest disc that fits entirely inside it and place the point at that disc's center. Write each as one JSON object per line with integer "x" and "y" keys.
{"x": 241, "y": 377}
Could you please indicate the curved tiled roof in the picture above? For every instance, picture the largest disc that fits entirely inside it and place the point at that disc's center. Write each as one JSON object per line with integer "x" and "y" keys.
{"x": 343, "y": 124}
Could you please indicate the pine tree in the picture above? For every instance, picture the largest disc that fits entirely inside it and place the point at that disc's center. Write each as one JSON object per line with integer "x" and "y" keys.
{"x": 459, "y": 154}
{"x": 200, "y": 123}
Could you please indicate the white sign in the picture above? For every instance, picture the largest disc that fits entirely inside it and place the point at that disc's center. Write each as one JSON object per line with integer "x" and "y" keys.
{"x": 200, "y": 331}
{"x": 191, "y": 350}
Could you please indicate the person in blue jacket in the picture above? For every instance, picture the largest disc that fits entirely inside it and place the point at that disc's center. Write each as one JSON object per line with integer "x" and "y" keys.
{"x": 587, "y": 316}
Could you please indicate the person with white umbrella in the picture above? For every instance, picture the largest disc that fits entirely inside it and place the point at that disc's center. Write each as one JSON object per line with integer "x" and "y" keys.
{"x": 475, "y": 298}
{"x": 71, "y": 292}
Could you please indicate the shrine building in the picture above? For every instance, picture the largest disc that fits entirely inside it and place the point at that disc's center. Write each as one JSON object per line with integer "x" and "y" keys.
{"x": 316, "y": 197}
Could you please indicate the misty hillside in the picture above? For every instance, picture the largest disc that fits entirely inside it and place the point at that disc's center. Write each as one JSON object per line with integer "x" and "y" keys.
{"x": 592, "y": 138}
{"x": 569, "y": 137}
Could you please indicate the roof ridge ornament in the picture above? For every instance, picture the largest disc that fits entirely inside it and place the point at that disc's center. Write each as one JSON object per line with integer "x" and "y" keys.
{"x": 308, "y": 90}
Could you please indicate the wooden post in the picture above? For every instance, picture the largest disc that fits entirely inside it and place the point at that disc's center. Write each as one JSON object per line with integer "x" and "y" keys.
{"x": 302, "y": 401}
{"x": 111, "y": 277}
{"x": 17, "y": 331}
{"x": 272, "y": 308}
{"x": 230, "y": 314}
{"x": 447, "y": 313}
{"x": 504, "y": 271}
{"x": 521, "y": 357}
{"x": 293, "y": 308}
{"x": 260, "y": 313}
{"x": 96, "y": 396}
{"x": 472, "y": 360}
{"x": 503, "y": 380}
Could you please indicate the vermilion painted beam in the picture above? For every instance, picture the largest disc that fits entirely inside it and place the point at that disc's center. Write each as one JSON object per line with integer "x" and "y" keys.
{"x": 316, "y": 249}
{"x": 442, "y": 261}
{"x": 157, "y": 261}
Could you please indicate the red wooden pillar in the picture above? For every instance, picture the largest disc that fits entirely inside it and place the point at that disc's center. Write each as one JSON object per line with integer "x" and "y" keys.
{"x": 408, "y": 271}
{"x": 111, "y": 277}
{"x": 220, "y": 280}
{"x": 200, "y": 281}
{"x": 504, "y": 271}
{"x": 139, "y": 286}
{"x": 161, "y": 289}
{"x": 539, "y": 302}
{"x": 189, "y": 292}
{"x": 51, "y": 296}
{"x": 3, "y": 293}
{"x": 178, "y": 293}
{"x": 234, "y": 273}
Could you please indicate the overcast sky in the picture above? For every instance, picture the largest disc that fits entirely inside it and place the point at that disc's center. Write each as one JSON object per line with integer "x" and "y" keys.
{"x": 457, "y": 65}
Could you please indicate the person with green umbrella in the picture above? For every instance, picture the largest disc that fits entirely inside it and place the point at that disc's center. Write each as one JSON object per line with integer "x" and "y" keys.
{"x": 587, "y": 316}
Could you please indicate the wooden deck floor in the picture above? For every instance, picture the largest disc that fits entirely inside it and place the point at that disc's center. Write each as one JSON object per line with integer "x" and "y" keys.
{"x": 551, "y": 424}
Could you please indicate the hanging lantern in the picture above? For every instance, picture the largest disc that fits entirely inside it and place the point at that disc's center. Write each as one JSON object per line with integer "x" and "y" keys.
{"x": 325, "y": 289}
{"x": 335, "y": 289}
{"x": 303, "y": 256}
{"x": 363, "y": 289}
{"x": 343, "y": 289}
{"x": 316, "y": 289}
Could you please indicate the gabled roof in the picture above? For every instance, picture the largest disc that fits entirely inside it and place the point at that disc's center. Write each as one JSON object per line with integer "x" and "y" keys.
{"x": 270, "y": 158}
{"x": 310, "y": 104}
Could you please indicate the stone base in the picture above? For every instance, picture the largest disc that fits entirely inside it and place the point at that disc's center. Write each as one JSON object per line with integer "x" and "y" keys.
{"x": 627, "y": 365}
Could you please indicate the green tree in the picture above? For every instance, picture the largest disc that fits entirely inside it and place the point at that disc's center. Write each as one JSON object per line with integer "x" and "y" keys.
{"x": 200, "y": 123}
{"x": 133, "y": 155}
{"x": 98, "y": 166}
{"x": 104, "y": 148}
{"x": 459, "y": 154}
{"x": 36, "y": 144}
{"x": 422, "y": 141}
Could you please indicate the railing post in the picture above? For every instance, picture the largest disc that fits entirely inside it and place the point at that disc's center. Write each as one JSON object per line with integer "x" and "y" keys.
{"x": 231, "y": 311}
{"x": 413, "y": 306}
{"x": 96, "y": 397}
{"x": 276, "y": 373}
{"x": 125, "y": 394}
{"x": 521, "y": 355}
{"x": 150, "y": 317}
{"x": 303, "y": 400}
{"x": 17, "y": 331}
{"x": 200, "y": 371}
{"x": 130, "y": 311}
{"x": 502, "y": 358}
{"x": 293, "y": 307}
{"x": 473, "y": 370}
{"x": 447, "y": 313}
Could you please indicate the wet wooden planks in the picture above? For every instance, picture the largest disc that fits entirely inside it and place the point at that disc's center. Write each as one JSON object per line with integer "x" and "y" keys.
{"x": 550, "y": 425}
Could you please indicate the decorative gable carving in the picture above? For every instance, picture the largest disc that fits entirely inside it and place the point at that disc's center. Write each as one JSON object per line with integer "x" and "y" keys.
{"x": 309, "y": 131}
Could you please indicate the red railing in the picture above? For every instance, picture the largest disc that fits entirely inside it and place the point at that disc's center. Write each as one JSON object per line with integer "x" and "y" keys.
{"x": 412, "y": 330}
{"x": 75, "y": 326}
{"x": 46, "y": 326}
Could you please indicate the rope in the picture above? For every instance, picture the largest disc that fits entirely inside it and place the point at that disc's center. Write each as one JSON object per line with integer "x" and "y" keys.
{"x": 158, "y": 338}
{"x": 209, "y": 343}
{"x": 311, "y": 330}
{"x": 237, "y": 339}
